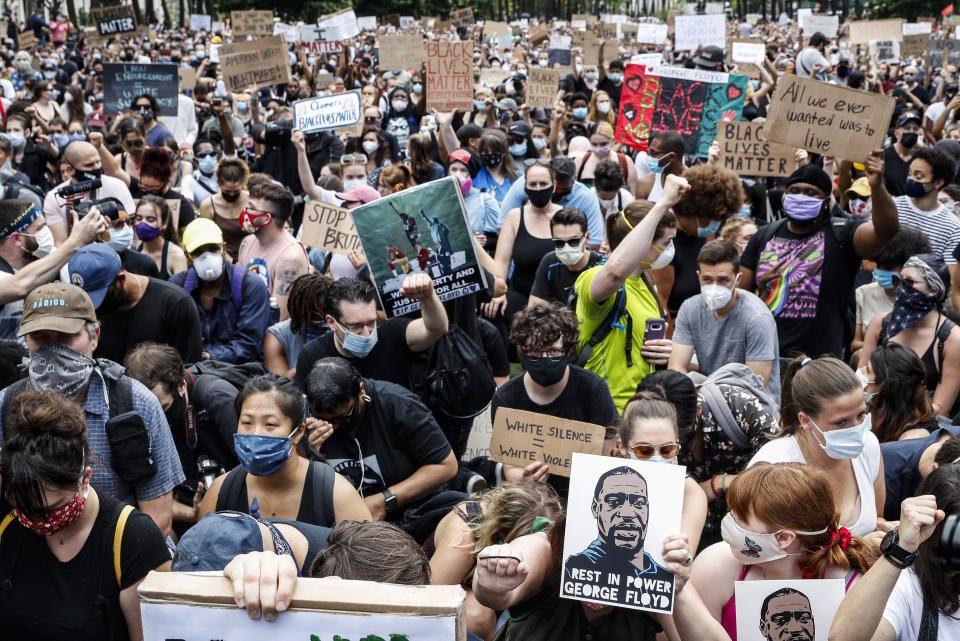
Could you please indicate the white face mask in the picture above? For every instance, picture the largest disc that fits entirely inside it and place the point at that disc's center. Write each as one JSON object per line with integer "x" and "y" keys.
{"x": 603, "y": 107}
{"x": 370, "y": 146}
{"x": 208, "y": 265}
{"x": 608, "y": 205}
{"x": 572, "y": 255}
{"x": 864, "y": 381}
{"x": 665, "y": 257}
{"x": 845, "y": 443}
{"x": 716, "y": 296}
{"x": 45, "y": 243}
{"x": 754, "y": 547}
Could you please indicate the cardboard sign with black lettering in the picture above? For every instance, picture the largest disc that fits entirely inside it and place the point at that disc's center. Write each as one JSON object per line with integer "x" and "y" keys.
{"x": 748, "y": 52}
{"x": 255, "y": 63}
{"x": 542, "y": 87}
{"x": 827, "y": 119}
{"x": 941, "y": 52}
{"x": 123, "y": 82}
{"x": 745, "y": 151}
{"x": 398, "y": 52}
{"x": 114, "y": 21}
{"x": 462, "y": 17}
{"x": 885, "y": 50}
{"x": 258, "y": 23}
{"x": 619, "y": 512}
{"x": 914, "y": 46}
{"x": 521, "y": 438}
{"x": 328, "y": 112}
{"x": 27, "y": 39}
{"x": 200, "y": 22}
{"x": 449, "y": 75}
{"x": 329, "y": 228}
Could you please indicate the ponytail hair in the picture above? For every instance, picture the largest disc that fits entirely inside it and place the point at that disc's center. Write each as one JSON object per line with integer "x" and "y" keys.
{"x": 807, "y": 383}
{"x": 646, "y": 404}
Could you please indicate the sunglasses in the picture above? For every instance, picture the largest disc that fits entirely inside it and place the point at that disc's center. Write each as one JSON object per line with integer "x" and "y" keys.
{"x": 207, "y": 154}
{"x": 908, "y": 283}
{"x": 353, "y": 159}
{"x": 558, "y": 243}
{"x": 646, "y": 450}
{"x": 530, "y": 162}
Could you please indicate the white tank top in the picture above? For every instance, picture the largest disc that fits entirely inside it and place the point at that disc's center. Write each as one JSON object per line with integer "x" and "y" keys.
{"x": 657, "y": 190}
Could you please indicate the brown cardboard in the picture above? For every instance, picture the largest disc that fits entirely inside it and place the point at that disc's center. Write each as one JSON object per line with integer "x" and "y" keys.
{"x": 591, "y": 49}
{"x": 188, "y": 78}
{"x": 401, "y": 52}
{"x": 391, "y": 18}
{"x": 462, "y": 17}
{"x": 827, "y": 119}
{"x": 863, "y": 31}
{"x": 745, "y": 151}
{"x": 255, "y": 63}
{"x": 27, "y": 39}
{"x": 252, "y": 23}
{"x": 449, "y": 75}
{"x": 914, "y": 46}
{"x": 521, "y": 438}
{"x": 608, "y": 30}
{"x": 494, "y": 77}
{"x": 114, "y": 21}
{"x": 542, "y": 87}
{"x": 539, "y": 34}
{"x": 496, "y": 28}
{"x": 330, "y": 228}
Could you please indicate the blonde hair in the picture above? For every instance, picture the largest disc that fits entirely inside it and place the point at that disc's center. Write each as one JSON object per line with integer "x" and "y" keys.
{"x": 510, "y": 511}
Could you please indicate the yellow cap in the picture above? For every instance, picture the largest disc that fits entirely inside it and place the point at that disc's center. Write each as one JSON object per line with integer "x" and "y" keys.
{"x": 200, "y": 232}
{"x": 860, "y": 186}
{"x": 859, "y": 166}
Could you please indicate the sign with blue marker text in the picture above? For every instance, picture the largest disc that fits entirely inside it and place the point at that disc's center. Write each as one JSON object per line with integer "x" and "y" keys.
{"x": 328, "y": 112}
{"x": 123, "y": 82}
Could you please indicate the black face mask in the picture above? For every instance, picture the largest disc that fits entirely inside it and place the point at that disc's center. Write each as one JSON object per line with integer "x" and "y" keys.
{"x": 545, "y": 370}
{"x": 492, "y": 160}
{"x": 539, "y": 197}
{"x": 90, "y": 174}
{"x": 230, "y": 198}
{"x": 908, "y": 140}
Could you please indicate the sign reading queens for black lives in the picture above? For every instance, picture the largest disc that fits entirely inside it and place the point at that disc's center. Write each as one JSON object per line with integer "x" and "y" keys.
{"x": 328, "y": 112}
{"x": 618, "y": 514}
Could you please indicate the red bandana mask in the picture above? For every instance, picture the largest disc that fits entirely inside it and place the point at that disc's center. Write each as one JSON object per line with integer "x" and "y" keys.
{"x": 253, "y": 222}
{"x": 55, "y": 520}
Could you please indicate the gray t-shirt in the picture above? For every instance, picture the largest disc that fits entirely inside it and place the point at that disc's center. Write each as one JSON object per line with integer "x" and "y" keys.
{"x": 809, "y": 57}
{"x": 747, "y": 333}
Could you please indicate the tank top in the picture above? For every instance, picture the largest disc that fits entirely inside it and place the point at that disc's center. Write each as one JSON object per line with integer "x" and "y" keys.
{"x": 291, "y": 343}
{"x": 728, "y": 615}
{"x": 233, "y": 234}
{"x": 528, "y": 250}
{"x": 165, "y": 272}
{"x": 316, "y": 500}
{"x": 657, "y": 190}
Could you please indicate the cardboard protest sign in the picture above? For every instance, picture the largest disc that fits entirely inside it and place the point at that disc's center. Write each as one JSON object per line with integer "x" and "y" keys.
{"x": 917, "y": 28}
{"x": 200, "y": 22}
{"x": 423, "y": 229}
{"x": 462, "y": 17}
{"x": 538, "y": 34}
{"x": 609, "y": 31}
{"x": 496, "y": 28}
{"x": 591, "y": 49}
{"x": 827, "y": 25}
{"x": 863, "y": 31}
{"x": 255, "y": 63}
{"x": 914, "y": 46}
{"x": 449, "y": 75}
{"x": 688, "y": 101}
{"x": 27, "y": 39}
{"x": 114, "y": 21}
{"x": 367, "y": 23}
{"x": 122, "y": 82}
{"x": 619, "y": 511}
{"x": 748, "y": 52}
{"x": 940, "y": 52}
{"x": 494, "y": 77}
{"x": 700, "y": 31}
{"x": 827, "y": 119}
{"x": 328, "y": 112}
{"x": 398, "y": 52}
{"x": 542, "y": 87}
{"x": 651, "y": 33}
{"x": 745, "y": 151}
{"x": 329, "y": 227}
{"x": 313, "y": 39}
{"x": 189, "y": 606}
{"x": 885, "y": 50}
{"x": 521, "y": 438}
{"x": 580, "y": 20}
{"x": 188, "y": 78}
{"x": 252, "y": 23}
{"x": 290, "y": 32}
{"x": 768, "y": 609}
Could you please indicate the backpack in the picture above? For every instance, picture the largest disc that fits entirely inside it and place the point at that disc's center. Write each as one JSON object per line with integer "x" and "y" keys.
{"x": 236, "y": 284}
{"x": 236, "y": 374}
{"x": 454, "y": 376}
{"x": 737, "y": 375}
{"x": 611, "y": 320}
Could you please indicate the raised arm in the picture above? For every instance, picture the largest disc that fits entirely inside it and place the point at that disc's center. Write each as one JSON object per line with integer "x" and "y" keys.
{"x": 433, "y": 322}
{"x": 511, "y": 573}
{"x": 872, "y": 236}
{"x": 307, "y": 182}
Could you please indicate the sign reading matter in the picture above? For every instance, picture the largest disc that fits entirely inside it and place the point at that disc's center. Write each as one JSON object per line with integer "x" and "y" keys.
{"x": 542, "y": 87}
{"x": 252, "y": 23}
{"x": 521, "y": 438}
{"x": 449, "y": 75}
{"x": 330, "y": 228}
{"x": 745, "y": 151}
{"x": 123, "y": 82}
{"x": 255, "y": 63}
{"x": 114, "y": 21}
{"x": 827, "y": 119}
{"x": 328, "y": 112}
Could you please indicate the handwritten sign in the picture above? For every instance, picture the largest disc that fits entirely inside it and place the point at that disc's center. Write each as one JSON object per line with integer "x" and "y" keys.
{"x": 521, "y": 438}
{"x": 255, "y": 63}
{"x": 700, "y": 31}
{"x": 745, "y": 151}
{"x": 27, "y": 39}
{"x": 123, "y": 82}
{"x": 449, "y": 75}
{"x": 462, "y": 17}
{"x": 330, "y": 228}
{"x": 863, "y": 31}
{"x": 256, "y": 23}
{"x": 559, "y": 50}
{"x": 827, "y": 25}
{"x": 650, "y": 33}
{"x": 367, "y": 23}
{"x": 341, "y": 25}
{"x": 398, "y": 52}
{"x": 328, "y": 112}
{"x": 748, "y": 51}
{"x": 914, "y": 46}
{"x": 114, "y": 21}
{"x": 200, "y": 22}
{"x": 542, "y": 87}
{"x": 827, "y": 119}
{"x": 313, "y": 39}
{"x": 291, "y": 33}
{"x": 885, "y": 50}
{"x": 941, "y": 52}
{"x": 494, "y": 77}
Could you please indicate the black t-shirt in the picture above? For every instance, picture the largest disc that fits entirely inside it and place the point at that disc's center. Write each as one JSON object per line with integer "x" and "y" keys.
{"x": 397, "y": 435}
{"x": 807, "y": 282}
{"x": 685, "y": 281}
{"x": 187, "y": 213}
{"x": 585, "y": 397}
{"x": 612, "y": 89}
{"x": 554, "y": 280}
{"x": 165, "y": 314}
{"x": 894, "y": 171}
{"x": 389, "y": 360}
{"x": 135, "y": 262}
{"x": 50, "y": 599}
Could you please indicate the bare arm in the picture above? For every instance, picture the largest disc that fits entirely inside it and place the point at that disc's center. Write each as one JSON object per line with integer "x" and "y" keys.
{"x": 160, "y": 510}
{"x": 348, "y": 505}
{"x": 501, "y": 582}
{"x": 275, "y": 358}
{"x": 307, "y": 182}
{"x": 499, "y": 284}
{"x": 433, "y": 322}
{"x": 872, "y": 236}
{"x": 680, "y": 357}
{"x": 508, "y": 234}
{"x": 871, "y": 339}
{"x": 453, "y": 558}
{"x": 111, "y": 166}
{"x": 425, "y": 480}
{"x": 946, "y": 392}
{"x": 130, "y": 606}
{"x": 761, "y": 368}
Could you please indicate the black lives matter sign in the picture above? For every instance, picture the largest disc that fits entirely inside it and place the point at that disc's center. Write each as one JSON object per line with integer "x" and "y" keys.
{"x": 114, "y": 21}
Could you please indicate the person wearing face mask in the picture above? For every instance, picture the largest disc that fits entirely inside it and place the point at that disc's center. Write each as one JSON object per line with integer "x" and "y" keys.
{"x": 725, "y": 324}
{"x": 24, "y": 238}
{"x": 203, "y": 183}
{"x": 611, "y": 76}
{"x": 232, "y": 303}
{"x": 29, "y": 157}
{"x": 44, "y": 106}
{"x": 483, "y": 210}
{"x": 521, "y": 144}
{"x": 145, "y": 106}
{"x": 225, "y": 207}
{"x": 384, "y": 440}
{"x": 601, "y": 148}
{"x": 51, "y": 532}
{"x": 499, "y": 171}
{"x": 546, "y": 336}
{"x": 21, "y": 64}
{"x": 942, "y": 112}
{"x": 619, "y": 295}
{"x": 893, "y": 382}
{"x": 601, "y": 109}
{"x": 402, "y": 117}
{"x": 664, "y": 157}
{"x": 276, "y": 462}
{"x": 575, "y": 81}
{"x": 154, "y": 229}
{"x": 558, "y": 270}
{"x": 782, "y": 525}
{"x": 799, "y": 290}
{"x": 908, "y": 135}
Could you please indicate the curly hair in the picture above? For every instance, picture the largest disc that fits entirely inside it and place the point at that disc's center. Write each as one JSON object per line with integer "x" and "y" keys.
{"x": 398, "y": 177}
{"x": 538, "y": 327}
{"x": 714, "y": 192}
{"x": 305, "y": 300}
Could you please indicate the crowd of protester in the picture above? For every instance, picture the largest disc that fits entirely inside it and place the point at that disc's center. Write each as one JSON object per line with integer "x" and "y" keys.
{"x": 178, "y": 367}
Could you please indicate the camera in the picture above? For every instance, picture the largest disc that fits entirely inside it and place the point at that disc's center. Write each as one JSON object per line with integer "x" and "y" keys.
{"x": 109, "y": 207}
{"x": 278, "y": 132}
{"x": 209, "y": 470}
{"x": 948, "y": 545}
{"x": 70, "y": 191}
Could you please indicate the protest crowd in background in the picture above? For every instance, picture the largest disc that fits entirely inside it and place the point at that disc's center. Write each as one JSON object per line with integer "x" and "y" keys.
{"x": 344, "y": 300}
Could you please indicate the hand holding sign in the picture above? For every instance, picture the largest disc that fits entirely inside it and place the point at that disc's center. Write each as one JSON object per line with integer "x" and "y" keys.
{"x": 875, "y": 168}
{"x": 262, "y": 581}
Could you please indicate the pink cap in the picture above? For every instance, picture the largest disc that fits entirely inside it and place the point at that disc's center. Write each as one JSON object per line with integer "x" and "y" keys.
{"x": 361, "y": 193}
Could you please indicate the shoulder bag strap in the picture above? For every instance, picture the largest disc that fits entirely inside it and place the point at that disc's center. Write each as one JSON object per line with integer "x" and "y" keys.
{"x": 118, "y": 540}
{"x": 236, "y": 285}
{"x": 929, "y": 623}
{"x": 943, "y": 333}
{"x": 721, "y": 411}
{"x": 605, "y": 327}
{"x": 583, "y": 164}
{"x": 6, "y": 521}
{"x": 323, "y": 479}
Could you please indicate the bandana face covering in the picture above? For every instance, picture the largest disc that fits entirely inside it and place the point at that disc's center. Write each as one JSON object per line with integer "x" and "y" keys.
{"x": 55, "y": 520}
{"x": 910, "y": 305}
{"x": 60, "y": 368}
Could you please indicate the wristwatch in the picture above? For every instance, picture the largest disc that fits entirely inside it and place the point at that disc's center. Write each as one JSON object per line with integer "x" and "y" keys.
{"x": 390, "y": 502}
{"x": 898, "y": 556}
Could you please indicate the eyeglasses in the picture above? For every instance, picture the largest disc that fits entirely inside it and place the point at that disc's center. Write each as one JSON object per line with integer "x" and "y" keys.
{"x": 353, "y": 159}
{"x": 908, "y": 283}
{"x": 646, "y": 450}
{"x": 558, "y": 243}
{"x": 356, "y": 327}
{"x": 545, "y": 353}
{"x": 346, "y": 416}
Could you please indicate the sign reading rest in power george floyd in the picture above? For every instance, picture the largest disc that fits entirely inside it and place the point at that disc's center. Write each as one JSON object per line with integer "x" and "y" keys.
{"x": 449, "y": 75}
{"x": 256, "y": 63}
{"x": 114, "y": 21}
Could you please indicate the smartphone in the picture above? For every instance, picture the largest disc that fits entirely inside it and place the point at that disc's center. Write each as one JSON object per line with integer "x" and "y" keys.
{"x": 656, "y": 328}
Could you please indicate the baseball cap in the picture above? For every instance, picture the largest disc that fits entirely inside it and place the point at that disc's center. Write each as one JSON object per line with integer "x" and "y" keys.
{"x": 907, "y": 116}
{"x": 359, "y": 194}
{"x": 200, "y": 232}
{"x": 93, "y": 268}
{"x": 60, "y": 307}
{"x": 860, "y": 186}
{"x": 519, "y": 128}
{"x": 711, "y": 56}
{"x": 213, "y": 542}
{"x": 469, "y": 131}
{"x": 96, "y": 119}
{"x": 507, "y": 104}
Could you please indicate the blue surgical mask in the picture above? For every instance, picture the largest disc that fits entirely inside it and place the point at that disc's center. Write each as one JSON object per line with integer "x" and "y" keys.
{"x": 539, "y": 143}
{"x": 709, "y": 230}
{"x": 615, "y": 76}
{"x": 60, "y": 140}
{"x": 801, "y": 207}
{"x": 653, "y": 164}
{"x": 519, "y": 149}
{"x": 580, "y": 113}
{"x": 884, "y": 278}
{"x": 262, "y": 455}
{"x": 75, "y": 137}
{"x": 121, "y": 238}
{"x": 17, "y": 140}
{"x": 744, "y": 211}
{"x": 478, "y": 104}
{"x": 207, "y": 164}
{"x": 846, "y": 443}
{"x": 357, "y": 345}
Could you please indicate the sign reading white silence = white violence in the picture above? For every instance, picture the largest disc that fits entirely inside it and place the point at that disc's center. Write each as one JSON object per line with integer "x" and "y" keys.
{"x": 328, "y": 112}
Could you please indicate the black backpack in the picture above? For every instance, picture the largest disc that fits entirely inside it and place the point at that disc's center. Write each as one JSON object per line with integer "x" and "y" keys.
{"x": 235, "y": 374}
{"x": 454, "y": 377}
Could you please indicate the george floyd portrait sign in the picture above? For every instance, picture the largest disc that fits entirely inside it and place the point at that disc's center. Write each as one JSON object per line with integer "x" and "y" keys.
{"x": 795, "y": 610}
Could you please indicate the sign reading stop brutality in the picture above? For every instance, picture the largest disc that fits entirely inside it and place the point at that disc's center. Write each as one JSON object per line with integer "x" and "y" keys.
{"x": 419, "y": 230}
{"x": 827, "y": 119}
{"x": 252, "y": 23}
{"x": 618, "y": 514}
{"x": 745, "y": 151}
{"x": 328, "y": 112}
{"x": 114, "y": 21}
{"x": 255, "y": 63}
{"x": 330, "y": 228}
{"x": 123, "y": 82}
{"x": 688, "y": 101}
{"x": 521, "y": 438}
{"x": 449, "y": 79}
